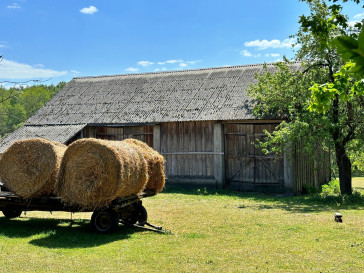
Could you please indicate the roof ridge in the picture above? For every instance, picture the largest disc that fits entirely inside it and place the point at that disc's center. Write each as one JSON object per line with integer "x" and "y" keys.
{"x": 175, "y": 71}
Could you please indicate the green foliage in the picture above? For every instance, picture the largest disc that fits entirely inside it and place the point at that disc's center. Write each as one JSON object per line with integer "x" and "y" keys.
{"x": 331, "y": 189}
{"x": 285, "y": 94}
{"x": 316, "y": 33}
{"x": 322, "y": 107}
{"x": 306, "y": 189}
{"x": 18, "y": 104}
{"x": 352, "y": 49}
{"x": 357, "y": 154}
{"x": 344, "y": 87}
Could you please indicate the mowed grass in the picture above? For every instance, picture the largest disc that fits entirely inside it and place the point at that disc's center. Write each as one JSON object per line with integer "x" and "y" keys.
{"x": 214, "y": 231}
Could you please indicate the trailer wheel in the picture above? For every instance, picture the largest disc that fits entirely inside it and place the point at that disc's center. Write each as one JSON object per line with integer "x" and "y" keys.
{"x": 104, "y": 221}
{"x": 11, "y": 213}
{"x": 138, "y": 216}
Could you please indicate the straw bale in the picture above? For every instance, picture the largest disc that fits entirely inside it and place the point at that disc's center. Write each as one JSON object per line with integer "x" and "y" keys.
{"x": 94, "y": 172}
{"x": 30, "y": 167}
{"x": 156, "y": 175}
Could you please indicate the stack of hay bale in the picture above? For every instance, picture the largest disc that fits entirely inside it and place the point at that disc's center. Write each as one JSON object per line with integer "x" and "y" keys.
{"x": 29, "y": 168}
{"x": 90, "y": 173}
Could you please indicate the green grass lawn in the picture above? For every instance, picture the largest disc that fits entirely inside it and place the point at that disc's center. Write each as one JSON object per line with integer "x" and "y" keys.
{"x": 213, "y": 232}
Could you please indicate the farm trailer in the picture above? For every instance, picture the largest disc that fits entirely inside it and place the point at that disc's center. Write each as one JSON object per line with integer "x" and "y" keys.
{"x": 128, "y": 210}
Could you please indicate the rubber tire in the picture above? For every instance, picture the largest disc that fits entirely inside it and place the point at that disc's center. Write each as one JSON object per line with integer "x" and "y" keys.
{"x": 11, "y": 213}
{"x": 104, "y": 221}
{"x": 139, "y": 216}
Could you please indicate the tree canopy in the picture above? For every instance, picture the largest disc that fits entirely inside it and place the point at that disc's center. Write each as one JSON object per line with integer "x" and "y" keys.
{"x": 321, "y": 101}
{"x": 18, "y": 104}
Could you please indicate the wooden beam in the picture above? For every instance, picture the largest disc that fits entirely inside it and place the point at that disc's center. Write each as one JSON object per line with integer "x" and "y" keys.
{"x": 219, "y": 168}
{"x": 192, "y": 153}
{"x": 157, "y": 138}
{"x": 288, "y": 169}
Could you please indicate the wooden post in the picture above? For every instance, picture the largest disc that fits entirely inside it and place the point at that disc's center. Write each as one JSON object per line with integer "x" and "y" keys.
{"x": 157, "y": 138}
{"x": 219, "y": 168}
{"x": 316, "y": 174}
{"x": 288, "y": 168}
{"x": 91, "y": 132}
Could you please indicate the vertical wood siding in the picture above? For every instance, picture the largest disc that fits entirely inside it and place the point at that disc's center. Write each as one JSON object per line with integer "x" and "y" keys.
{"x": 143, "y": 133}
{"x": 247, "y": 167}
{"x": 188, "y": 149}
{"x": 308, "y": 169}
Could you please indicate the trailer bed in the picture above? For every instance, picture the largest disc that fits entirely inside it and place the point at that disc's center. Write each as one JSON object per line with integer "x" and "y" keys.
{"x": 54, "y": 203}
{"x": 127, "y": 210}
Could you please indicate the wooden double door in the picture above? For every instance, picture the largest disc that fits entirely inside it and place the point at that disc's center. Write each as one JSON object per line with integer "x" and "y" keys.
{"x": 247, "y": 168}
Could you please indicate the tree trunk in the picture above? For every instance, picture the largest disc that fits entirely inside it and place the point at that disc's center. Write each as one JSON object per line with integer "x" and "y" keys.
{"x": 344, "y": 165}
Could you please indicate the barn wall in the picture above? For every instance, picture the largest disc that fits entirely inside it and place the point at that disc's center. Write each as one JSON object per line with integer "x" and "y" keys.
{"x": 188, "y": 148}
{"x": 143, "y": 133}
{"x": 223, "y": 155}
{"x": 309, "y": 170}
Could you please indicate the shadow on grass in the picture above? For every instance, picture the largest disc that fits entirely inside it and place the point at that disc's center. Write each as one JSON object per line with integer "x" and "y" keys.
{"x": 296, "y": 204}
{"x": 56, "y": 233}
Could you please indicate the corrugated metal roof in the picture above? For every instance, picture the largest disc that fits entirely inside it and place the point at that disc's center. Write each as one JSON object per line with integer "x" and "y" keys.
{"x": 60, "y": 133}
{"x": 204, "y": 94}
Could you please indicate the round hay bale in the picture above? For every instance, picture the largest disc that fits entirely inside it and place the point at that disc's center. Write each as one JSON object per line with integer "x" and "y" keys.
{"x": 29, "y": 168}
{"x": 94, "y": 172}
{"x": 156, "y": 176}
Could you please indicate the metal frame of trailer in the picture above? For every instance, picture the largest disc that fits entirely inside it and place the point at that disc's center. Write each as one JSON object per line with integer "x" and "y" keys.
{"x": 128, "y": 210}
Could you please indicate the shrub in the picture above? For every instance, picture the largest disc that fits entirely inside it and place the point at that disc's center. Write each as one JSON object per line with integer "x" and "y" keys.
{"x": 332, "y": 188}
{"x": 306, "y": 189}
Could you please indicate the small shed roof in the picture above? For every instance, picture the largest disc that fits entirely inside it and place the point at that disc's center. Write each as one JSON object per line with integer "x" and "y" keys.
{"x": 60, "y": 133}
{"x": 190, "y": 95}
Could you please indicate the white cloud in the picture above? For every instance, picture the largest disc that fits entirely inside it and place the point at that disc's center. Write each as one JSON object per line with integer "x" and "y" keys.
{"x": 14, "y": 6}
{"x": 15, "y": 70}
{"x": 274, "y": 55}
{"x": 156, "y": 70}
{"x": 14, "y": 85}
{"x": 193, "y": 62}
{"x": 171, "y": 62}
{"x": 359, "y": 16}
{"x": 353, "y": 23}
{"x": 145, "y": 63}
{"x": 132, "y": 69}
{"x": 89, "y": 10}
{"x": 245, "y": 53}
{"x": 179, "y": 61}
{"x": 264, "y": 44}
{"x": 75, "y": 72}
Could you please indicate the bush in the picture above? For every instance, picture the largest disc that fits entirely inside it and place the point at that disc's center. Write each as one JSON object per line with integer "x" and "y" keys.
{"x": 331, "y": 189}
{"x": 306, "y": 189}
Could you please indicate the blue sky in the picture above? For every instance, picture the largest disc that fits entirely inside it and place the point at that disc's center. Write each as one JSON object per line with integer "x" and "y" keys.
{"x": 62, "y": 39}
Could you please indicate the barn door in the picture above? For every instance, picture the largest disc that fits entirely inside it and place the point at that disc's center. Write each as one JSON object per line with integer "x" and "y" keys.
{"x": 247, "y": 167}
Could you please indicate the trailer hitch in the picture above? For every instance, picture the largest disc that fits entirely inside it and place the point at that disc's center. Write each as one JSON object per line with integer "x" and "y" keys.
{"x": 151, "y": 227}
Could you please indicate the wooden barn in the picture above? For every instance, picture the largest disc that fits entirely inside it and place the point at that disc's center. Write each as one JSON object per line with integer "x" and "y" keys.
{"x": 200, "y": 120}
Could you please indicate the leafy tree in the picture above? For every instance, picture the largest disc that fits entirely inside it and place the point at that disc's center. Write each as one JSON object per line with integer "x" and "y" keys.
{"x": 352, "y": 49}
{"x": 18, "y": 104}
{"x": 337, "y": 120}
